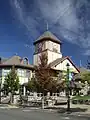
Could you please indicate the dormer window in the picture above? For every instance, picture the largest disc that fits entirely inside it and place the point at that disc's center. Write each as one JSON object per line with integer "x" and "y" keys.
{"x": 25, "y": 61}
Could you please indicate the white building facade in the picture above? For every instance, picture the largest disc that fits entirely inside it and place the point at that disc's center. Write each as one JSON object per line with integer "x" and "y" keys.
{"x": 23, "y": 68}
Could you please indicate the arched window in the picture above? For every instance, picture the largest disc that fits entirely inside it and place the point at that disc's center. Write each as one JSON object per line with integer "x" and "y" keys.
{"x": 25, "y": 61}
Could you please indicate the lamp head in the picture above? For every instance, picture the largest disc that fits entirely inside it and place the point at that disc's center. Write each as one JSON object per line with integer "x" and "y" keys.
{"x": 67, "y": 65}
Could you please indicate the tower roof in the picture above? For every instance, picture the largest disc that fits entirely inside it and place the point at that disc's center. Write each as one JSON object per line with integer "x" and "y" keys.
{"x": 48, "y": 36}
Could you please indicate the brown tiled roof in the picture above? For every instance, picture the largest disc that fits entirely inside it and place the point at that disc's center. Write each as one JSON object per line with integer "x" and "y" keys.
{"x": 15, "y": 60}
{"x": 57, "y": 61}
{"x": 47, "y": 36}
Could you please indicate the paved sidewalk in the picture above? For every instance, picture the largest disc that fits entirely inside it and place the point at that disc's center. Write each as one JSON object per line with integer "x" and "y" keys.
{"x": 6, "y": 106}
{"x": 81, "y": 106}
{"x": 76, "y": 108}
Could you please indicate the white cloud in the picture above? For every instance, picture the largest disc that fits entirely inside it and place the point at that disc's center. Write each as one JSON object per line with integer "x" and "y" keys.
{"x": 87, "y": 52}
{"x": 65, "y": 13}
{"x": 28, "y": 21}
{"x": 59, "y": 11}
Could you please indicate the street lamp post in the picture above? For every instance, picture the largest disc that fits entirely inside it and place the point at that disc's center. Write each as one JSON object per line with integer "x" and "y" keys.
{"x": 68, "y": 91}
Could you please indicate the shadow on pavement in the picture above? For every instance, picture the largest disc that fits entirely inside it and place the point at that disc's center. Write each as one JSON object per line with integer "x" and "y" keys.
{"x": 32, "y": 105}
{"x": 64, "y": 110}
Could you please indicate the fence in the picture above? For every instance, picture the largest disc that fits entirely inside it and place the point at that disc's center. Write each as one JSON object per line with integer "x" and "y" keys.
{"x": 38, "y": 97}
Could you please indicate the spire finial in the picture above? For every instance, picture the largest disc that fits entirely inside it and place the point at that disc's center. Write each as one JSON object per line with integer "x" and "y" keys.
{"x": 47, "y": 26}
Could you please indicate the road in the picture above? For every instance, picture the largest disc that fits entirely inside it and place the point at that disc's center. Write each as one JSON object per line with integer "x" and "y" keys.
{"x": 27, "y": 114}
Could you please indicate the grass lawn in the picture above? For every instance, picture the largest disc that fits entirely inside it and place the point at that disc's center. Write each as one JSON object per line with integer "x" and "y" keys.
{"x": 81, "y": 98}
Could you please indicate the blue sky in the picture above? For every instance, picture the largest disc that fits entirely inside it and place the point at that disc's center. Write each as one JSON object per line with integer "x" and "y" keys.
{"x": 23, "y": 21}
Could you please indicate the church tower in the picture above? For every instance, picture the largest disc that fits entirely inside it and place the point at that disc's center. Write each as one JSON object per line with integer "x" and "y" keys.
{"x": 49, "y": 44}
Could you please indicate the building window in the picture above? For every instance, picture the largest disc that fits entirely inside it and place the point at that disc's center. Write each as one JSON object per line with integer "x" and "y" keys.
{"x": 27, "y": 73}
{"x": 21, "y": 72}
{"x": 6, "y": 71}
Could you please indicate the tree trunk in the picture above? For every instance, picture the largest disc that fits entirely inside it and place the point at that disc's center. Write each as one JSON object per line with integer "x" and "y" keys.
{"x": 43, "y": 101}
{"x": 11, "y": 98}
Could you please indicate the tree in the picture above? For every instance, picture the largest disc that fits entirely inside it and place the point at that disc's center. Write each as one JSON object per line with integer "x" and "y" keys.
{"x": 43, "y": 74}
{"x": 61, "y": 81}
{"x": 32, "y": 85}
{"x": 85, "y": 76}
{"x": 11, "y": 83}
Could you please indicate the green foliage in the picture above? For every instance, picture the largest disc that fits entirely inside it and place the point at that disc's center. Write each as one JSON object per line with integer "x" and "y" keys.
{"x": 81, "y": 98}
{"x": 11, "y": 83}
{"x": 32, "y": 85}
{"x": 43, "y": 74}
{"x": 46, "y": 78}
{"x": 85, "y": 76}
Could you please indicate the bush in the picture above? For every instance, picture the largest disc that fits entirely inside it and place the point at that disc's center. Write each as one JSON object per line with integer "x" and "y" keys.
{"x": 80, "y": 101}
{"x": 88, "y": 93}
{"x": 74, "y": 101}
